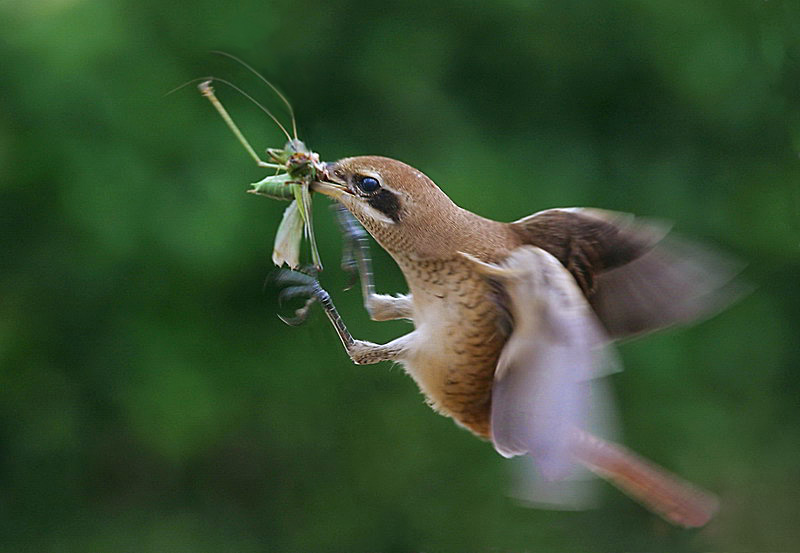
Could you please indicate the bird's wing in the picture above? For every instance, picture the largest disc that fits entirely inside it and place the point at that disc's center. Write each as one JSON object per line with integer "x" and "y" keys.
{"x": 636, "y": 279}
{"x": 541, "y": 390}
{"x": 547, "y": 403}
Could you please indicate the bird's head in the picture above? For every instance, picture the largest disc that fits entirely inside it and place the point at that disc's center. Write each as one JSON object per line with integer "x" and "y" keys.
{"x": 400, "y": 206}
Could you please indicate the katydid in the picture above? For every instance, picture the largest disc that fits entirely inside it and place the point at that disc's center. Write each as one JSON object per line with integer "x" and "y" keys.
{"x": 296, "y": 167}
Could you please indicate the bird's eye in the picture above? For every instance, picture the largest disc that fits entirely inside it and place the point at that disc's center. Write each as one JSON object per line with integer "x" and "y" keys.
{"x": 367, "y": 184}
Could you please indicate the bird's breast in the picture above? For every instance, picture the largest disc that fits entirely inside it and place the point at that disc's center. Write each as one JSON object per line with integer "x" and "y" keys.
{"x": 459, "y": 339}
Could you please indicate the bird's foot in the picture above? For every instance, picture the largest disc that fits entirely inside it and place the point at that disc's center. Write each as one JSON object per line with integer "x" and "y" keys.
{"x": 298, "y": 284}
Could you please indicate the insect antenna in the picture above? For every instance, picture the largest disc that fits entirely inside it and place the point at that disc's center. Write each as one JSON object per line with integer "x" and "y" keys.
{"x": 264, "y": 80}
{"x": 256, "y": 102}
{"x": 207, "y": 90}
{"x": 243, "y": 93}
{"x": 187, "y": 83}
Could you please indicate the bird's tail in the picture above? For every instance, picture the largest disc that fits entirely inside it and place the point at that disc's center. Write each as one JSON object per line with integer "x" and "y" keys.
{"x": 656, "y": 488}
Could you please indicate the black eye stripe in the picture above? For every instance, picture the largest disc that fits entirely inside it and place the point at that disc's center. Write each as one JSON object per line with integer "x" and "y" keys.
{"x": 387, "y": 203}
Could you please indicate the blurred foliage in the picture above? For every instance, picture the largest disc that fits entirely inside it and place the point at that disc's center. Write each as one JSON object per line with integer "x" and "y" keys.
{"x": 152, "y": 401}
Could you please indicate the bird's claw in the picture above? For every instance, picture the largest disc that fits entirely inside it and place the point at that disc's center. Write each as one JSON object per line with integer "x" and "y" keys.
{"x": 298, "y": 284}
{"x": 301, "y": 315}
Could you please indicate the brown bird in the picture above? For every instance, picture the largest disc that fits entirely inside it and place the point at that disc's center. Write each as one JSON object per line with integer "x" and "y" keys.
{"x": 511, "y": 320}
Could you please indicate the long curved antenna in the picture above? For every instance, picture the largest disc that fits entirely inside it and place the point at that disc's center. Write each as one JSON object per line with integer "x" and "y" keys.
{"x": 208, "y": 91}
{"x": 264, "y": 79}
{"x": 256, "y": 102}
{"x": 187, "y": 83}
{"x": 240, "y": 91}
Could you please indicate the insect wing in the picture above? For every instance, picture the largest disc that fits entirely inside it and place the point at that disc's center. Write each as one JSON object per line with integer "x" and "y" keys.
{"x": 287, "y": 240}
{"x": 305, "y": 194}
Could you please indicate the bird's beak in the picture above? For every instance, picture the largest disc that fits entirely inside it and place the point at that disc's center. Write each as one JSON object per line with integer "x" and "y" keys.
{"x": 332, "y": 189}
{"x": 329, "y": 185}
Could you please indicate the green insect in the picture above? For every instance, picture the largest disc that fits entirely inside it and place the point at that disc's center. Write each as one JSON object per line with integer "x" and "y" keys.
{"x": 296, "y": 168}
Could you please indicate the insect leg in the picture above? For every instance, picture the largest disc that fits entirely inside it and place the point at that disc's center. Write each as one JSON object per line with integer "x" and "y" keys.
{"x": 208, "y": 91}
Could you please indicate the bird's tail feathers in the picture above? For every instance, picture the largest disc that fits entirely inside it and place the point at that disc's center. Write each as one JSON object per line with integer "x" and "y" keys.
{"x": 662, "y": 492}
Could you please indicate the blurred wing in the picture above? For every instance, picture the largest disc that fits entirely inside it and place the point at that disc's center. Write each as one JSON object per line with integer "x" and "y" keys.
{"x": 674, "y": 283}
{"x": 541, "y": 391}
{"x": 579, "y": 488}
{"x": 636, "y": 280}
{"x": 545, "y": 402}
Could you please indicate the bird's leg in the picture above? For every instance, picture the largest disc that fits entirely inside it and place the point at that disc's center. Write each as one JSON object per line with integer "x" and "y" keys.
{"x": 360, "y": 351}
{"x": 355, "y": 259}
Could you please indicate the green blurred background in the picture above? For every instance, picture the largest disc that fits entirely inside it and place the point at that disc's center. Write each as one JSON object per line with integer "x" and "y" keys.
{"x": 152, "y": 401}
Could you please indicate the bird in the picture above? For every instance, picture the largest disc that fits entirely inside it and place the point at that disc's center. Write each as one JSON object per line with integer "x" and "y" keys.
{"x": 513, "y": 320}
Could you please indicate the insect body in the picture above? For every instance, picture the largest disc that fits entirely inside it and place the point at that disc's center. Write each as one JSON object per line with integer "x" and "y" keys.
{"x": 300, "y": 164}
{"x": 296, "y": 167}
